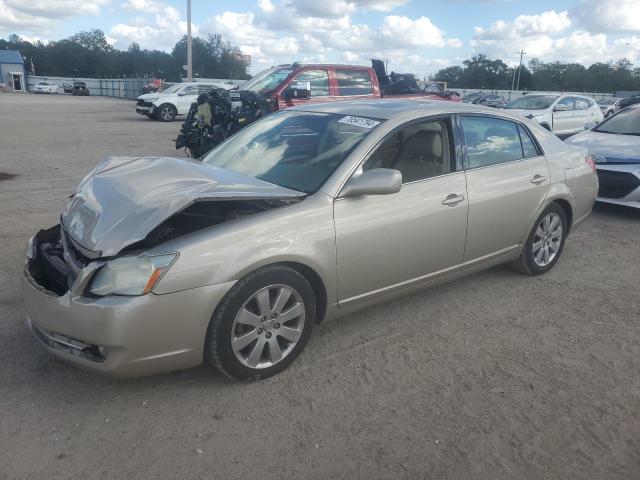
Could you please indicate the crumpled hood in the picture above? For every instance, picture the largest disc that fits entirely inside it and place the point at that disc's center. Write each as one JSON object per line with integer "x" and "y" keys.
{"x": 125, "y": 198}
{"x": 615, "y": 148}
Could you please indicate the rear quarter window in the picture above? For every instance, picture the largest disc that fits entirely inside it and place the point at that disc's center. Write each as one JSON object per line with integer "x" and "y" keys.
{"x": 353, "y": 82}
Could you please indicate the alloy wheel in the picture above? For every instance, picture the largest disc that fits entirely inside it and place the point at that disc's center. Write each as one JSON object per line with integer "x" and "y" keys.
{"x": 547, "y": 239}
{"x": 268, "y": 326}
{"x": 166, "y": 113}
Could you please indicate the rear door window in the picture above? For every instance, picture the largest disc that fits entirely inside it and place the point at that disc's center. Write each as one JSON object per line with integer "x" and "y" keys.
{"x": 567, "y": 102}
{"x": 353, "y": 82}
{"x": 582, "y": 103}
{"x": 190, "y": 90}
{"x": 318, "y": 79}
{"x": 490, "y": 141}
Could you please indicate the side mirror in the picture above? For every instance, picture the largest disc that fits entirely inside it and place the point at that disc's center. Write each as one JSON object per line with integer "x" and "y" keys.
{"x": 379, "y": 181}
{"x": 561, "y": 107}
{"x": 301, "y": 90}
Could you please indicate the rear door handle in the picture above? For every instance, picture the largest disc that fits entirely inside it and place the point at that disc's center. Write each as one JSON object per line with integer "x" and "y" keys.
{"x": 538, "y": 179}
{"x": 452, "y": 200}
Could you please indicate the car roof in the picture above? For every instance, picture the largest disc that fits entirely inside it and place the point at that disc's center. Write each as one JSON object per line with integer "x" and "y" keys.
{"x": 387, "y": 109}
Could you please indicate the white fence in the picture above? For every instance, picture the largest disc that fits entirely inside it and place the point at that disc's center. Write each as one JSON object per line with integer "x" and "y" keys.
{"x": 113, "y": 87}
{"x": 510, "y": 95}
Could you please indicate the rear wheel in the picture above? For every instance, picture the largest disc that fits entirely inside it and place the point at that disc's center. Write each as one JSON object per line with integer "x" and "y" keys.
{"x": 166, "y": 112}
{"x": 545, "y": 242}
{"x": 262, "y": 324}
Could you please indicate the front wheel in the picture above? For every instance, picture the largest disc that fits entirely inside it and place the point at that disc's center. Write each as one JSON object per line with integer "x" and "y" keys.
{"x": 545, "y": 243}
{"x": 262, "y": 324}
{"x": 166, "y": 112}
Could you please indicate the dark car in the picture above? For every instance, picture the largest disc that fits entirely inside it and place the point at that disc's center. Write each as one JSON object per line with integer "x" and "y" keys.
{"x": 67, "y": 87}
{"x": 80, "y": 88}
{"x": 488, "y": 100}
{"x": 627, "y": 102}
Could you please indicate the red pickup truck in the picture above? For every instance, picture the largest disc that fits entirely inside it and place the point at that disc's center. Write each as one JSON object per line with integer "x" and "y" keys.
{"x": 285, "y": 86}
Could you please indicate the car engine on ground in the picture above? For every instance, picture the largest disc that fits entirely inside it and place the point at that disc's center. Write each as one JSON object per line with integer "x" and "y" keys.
{"x": 217, "y": 115}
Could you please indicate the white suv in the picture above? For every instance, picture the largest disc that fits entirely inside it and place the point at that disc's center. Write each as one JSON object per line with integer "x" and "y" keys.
{"x": 173, "y": 101}
{"x": 561, "y": 114}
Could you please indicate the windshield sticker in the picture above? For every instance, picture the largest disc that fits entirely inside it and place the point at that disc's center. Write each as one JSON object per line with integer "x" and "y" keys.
{"x": 359, "y": 121}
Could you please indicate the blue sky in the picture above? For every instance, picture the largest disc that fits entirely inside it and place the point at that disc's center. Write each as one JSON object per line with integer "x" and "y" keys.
{"x": 416, "y": 36}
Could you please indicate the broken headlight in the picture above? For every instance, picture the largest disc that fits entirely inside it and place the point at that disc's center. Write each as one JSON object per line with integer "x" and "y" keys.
{"x": 130, "y": 275}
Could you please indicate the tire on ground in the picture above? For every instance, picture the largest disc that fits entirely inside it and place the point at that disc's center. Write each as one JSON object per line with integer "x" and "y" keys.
{"x": 526, "y": 263}
{"x": 218, "y": 349}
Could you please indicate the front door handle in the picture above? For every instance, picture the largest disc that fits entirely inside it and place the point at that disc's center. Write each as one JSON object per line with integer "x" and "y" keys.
{"x": 452, "y": 200}
{"x": 538, "y": 179}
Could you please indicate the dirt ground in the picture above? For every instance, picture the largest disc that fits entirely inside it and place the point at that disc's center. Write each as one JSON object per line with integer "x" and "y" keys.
{"x": 496, "y": 376}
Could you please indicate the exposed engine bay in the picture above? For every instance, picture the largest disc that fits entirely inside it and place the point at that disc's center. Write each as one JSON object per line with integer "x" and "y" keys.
{"x": 203, "y": 214}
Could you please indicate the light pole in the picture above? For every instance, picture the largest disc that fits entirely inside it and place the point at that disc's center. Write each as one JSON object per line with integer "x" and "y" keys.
{"x": 522, "y": 52}
{"x": 189, "y": 44}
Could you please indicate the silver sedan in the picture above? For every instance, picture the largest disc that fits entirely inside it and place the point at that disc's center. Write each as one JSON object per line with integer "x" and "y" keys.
{"x": 306, "y": 215}
{"x": 615, "y": 147}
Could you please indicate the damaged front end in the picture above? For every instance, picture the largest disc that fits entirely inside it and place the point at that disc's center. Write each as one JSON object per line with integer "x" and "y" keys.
{"x": 218, "y": 115}
{"x": 57, "y": 264}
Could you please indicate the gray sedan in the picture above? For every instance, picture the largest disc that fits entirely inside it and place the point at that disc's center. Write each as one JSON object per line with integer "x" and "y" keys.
{"x": 304, "y": 216}
{"x": 615, "y": 148}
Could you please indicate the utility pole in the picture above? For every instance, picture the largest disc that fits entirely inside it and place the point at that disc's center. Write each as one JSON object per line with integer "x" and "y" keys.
{"x": 522, "y": 52}
{"x": 189, "y": 44}
{"x": 513, "y": 78}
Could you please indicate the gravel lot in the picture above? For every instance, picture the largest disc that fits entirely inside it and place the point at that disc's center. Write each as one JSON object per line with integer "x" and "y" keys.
{"x": 497, "y": 376}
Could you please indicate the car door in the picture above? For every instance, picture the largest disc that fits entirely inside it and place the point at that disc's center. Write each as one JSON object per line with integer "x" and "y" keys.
{"x": 507, "y": 180}
{"x": 387, "y": 242}
{"x": 563, "y": 116}
{"x": 185, "y": 98}
{"x": 318, "y": 81}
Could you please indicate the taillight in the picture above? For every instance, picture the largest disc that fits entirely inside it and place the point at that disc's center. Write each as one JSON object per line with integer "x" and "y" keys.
{"x": 590, "y": 162}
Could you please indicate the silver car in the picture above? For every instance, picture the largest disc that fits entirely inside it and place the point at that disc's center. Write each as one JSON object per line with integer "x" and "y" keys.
{"x": 615, "y": 147}
{"x": 304, "y": 216}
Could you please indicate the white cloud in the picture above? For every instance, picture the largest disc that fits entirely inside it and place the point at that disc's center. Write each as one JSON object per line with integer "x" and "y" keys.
{"x": 24, "y": 17}
{"x": 405, "y": 32}
{"x": 145, "y": 6}
{"x": 12, "y": 20}
{"x": 549, "y": 22}
{"x": 49, "y": 9}
{"x": 606, "y": 16}
{"x": 333, "y": 8}
{"x": 163, "y": 32}
{"x": 546, "y": 36}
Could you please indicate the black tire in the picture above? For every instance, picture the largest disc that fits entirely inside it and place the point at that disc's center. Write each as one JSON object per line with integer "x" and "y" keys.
{"x": 526, "y": 263}
{"x": 218, "y": 349}
{"x": 166, "y": 112}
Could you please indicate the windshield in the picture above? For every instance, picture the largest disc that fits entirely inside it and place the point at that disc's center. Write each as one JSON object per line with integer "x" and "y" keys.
{"x": 267, "y": 79}
{"x": 532, "y": 102}
{"x": 472, "y": 97}
{"x": 297, "y": 150}
{"x": 626, "y": 122}
{"x": 606, "y": 101}
{"x": 173, "y": 88}
{"x": 43, "y": 83}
